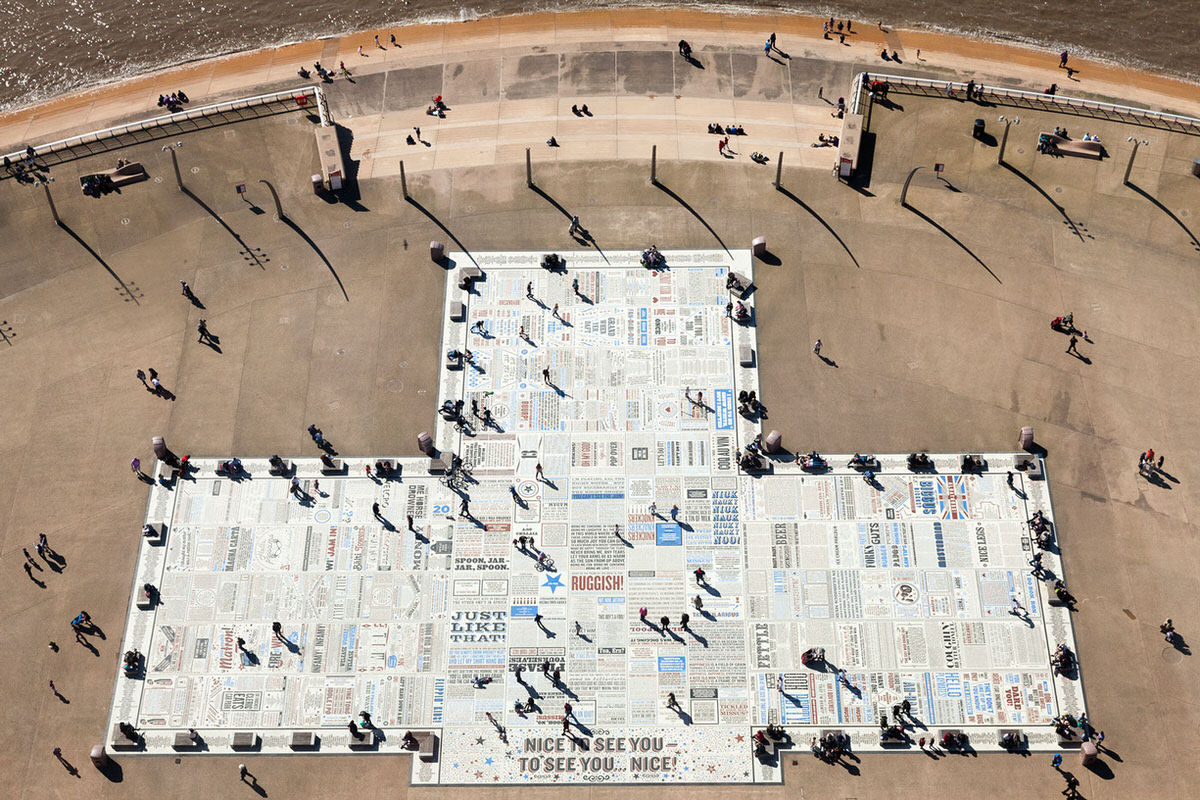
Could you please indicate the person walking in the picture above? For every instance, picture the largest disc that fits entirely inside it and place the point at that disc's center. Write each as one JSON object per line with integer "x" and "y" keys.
{"x": 817, "y": 348}
{"x": 1062, "y": 59}
{"x": 136, "y": 466}
{"x": 671, "y": 701}
{"x": 375, "y": 511}
{"x": 1010, "y": 480}
{"x": 698, "y": 603}
{"x": 464, "y": 510}
{"x": 683, "y": 621}
{"x": 665, "y": 622}
{"x": 554, "y": 313}
{"x": 537, "y": 472}
{"x": 767, "y": 45}
{"x": 529, "y": 290}
{"x": 1071, "y": 345}
{"x": 573, "y": 228}
{"x": 205, "y": 335}
{"x": 546, "y": 375}
{"x": 699, "y": 573}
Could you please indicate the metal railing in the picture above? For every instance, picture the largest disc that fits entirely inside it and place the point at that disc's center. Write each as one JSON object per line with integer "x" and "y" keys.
{"x": 192, "y": 119}
{"x": 1037, "y": 100}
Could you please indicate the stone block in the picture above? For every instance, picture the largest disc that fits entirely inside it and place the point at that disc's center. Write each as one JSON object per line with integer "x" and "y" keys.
{"x": 119, "y": 741}
{"x": 303, "y": 740}
{"x": 367, "y": 742}
{"x": 334, "y": 467}
{"x": 427, "y": 746}
{"x": 472, "y": 273}
{"x": 145, "y": 600}
{"x": 245, "y": 740}
{"x": 183, "y": 741}
{"x": 746, "y": 355}
{"x": 458, "y": 311}
{"x": 773, "y": 442}
{"x": 1025, "y": 440}
{"x": 759, "y": 246}
{"x": 1020, "y": 736}
{"x": 437, "y": 252}
{"x": 438, "y": 464}
{"x": 1088, "y": 753}
{"x": 284, "y": 468}
{"x": 425, "y": 443}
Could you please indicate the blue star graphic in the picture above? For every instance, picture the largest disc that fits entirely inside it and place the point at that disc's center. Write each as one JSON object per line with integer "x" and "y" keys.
{"x": 553, "y": 582}
{"x": 488, "y": 761}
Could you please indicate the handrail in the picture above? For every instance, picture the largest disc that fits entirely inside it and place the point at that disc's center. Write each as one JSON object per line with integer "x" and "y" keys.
{"x": 1042, "y": 100}
{"x": 201, "y": 112}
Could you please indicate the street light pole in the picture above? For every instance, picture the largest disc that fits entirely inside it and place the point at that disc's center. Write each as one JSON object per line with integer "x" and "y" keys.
{"x": 1129, "y": 166}
{"x": 907, "y": 181}
{"x": 1004, "y": 139}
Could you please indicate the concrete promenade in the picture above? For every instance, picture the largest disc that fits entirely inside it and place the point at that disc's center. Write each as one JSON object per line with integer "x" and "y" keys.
{"x": 935, "y": 316}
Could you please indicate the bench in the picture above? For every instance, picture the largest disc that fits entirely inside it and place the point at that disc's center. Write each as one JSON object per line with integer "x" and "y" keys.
{"x": 284, "y": 468}
{"x": 438, "y": 464}
{"x": 120, "y": 741}
{"x": 367, "y": 742}
{"x": 458, "y": 311}
{"x": 155, "y": 532}
{"x": 892, "y": 739}
{"x": 1072, "y": 147}
{"x": 426, "y": 746}
{"x": 974, "y": 463}
{"x": 304, "y": 740}
{"x": 743, "y": 281}
{"x": 472, "y": 273}
{"x": 1071, "y": 739}
{"x": 133, "y": 172}
{"x": 1018, "y": 735}
{"x": 184, "y": 741}
{"x": 952, "y": 732}
{"x": 245, "y": 740}
{"x": 746, "y": 355}
{"x": 335, "y": 466}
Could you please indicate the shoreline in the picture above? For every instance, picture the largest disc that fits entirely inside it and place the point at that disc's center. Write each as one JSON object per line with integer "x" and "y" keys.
{"x": 236, "y": 73}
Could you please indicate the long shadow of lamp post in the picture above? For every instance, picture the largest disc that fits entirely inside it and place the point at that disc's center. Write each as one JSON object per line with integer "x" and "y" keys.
{"x": 907, "y": 181}
{"x": 1008, "y": 123}
{"x": 1129, "y": 166}
{"x": 175, "y": 162}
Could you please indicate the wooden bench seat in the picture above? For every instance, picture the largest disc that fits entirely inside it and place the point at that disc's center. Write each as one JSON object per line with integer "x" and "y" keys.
{"x": 1073, "y": 147}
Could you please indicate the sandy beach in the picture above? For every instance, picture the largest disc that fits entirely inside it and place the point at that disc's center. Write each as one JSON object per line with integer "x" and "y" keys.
{"x": 272, "y": 69}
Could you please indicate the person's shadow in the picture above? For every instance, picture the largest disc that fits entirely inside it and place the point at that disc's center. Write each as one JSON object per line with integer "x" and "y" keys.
{"x": 828, "y": 361}
{"x": 1081, "y": 357}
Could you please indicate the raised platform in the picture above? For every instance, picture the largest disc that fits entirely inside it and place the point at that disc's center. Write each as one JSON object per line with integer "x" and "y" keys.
{"x": 906, "y": 583}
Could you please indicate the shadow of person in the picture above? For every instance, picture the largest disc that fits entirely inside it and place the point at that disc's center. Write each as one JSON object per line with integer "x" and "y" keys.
{"x": 683, "y": 715}
{"x": 699, "y": 638}
{"x": 829, "y": 362}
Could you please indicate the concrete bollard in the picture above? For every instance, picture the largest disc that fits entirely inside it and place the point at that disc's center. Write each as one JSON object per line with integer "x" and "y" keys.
{"x": 759, "y": 246}
{"x": 437, "y": 252}
{"x": 773, "y": 442}
{"x": 425, "y": 443}
{"x": 1025, "y": 442}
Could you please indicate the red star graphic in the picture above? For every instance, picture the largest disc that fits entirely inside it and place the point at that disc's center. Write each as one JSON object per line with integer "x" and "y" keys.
{"x": 741, "y": 737}
{"x": 495, "y": 777}
{"x": 478, "y": 774}
{"x": 712, "y": 767}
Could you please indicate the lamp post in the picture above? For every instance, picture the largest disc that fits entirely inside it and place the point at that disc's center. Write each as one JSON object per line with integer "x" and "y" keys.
{"x": 907, "y": 181}
{"x": 175, "y": 161}
{"x": 1004, "y": 139}
{"x": 1129, "y": 166}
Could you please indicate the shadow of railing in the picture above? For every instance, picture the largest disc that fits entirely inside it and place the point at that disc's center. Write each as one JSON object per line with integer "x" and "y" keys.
{"x": 954, "y": 239}
{"x": 167, "y": 129}
{"x": 821, "y": 220}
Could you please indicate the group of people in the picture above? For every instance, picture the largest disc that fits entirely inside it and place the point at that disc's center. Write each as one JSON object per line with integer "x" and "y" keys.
{"x": 173, "y": 102}
{"x": 1063, "y": 660}
{"x": 748, "y": 405}
{"x": 1146, "y": 464}
{"x": 732, "y": 130}
{"x": 652, "y": 259}
{"x": 826, "y": 141}
{"x": 829, "y": 748}
{"x": 1040, "y": 527}
{"x": 438, "y": 109}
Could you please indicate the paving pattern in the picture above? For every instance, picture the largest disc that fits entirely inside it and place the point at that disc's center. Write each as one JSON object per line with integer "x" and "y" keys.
{"x": 908, "y": 583}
